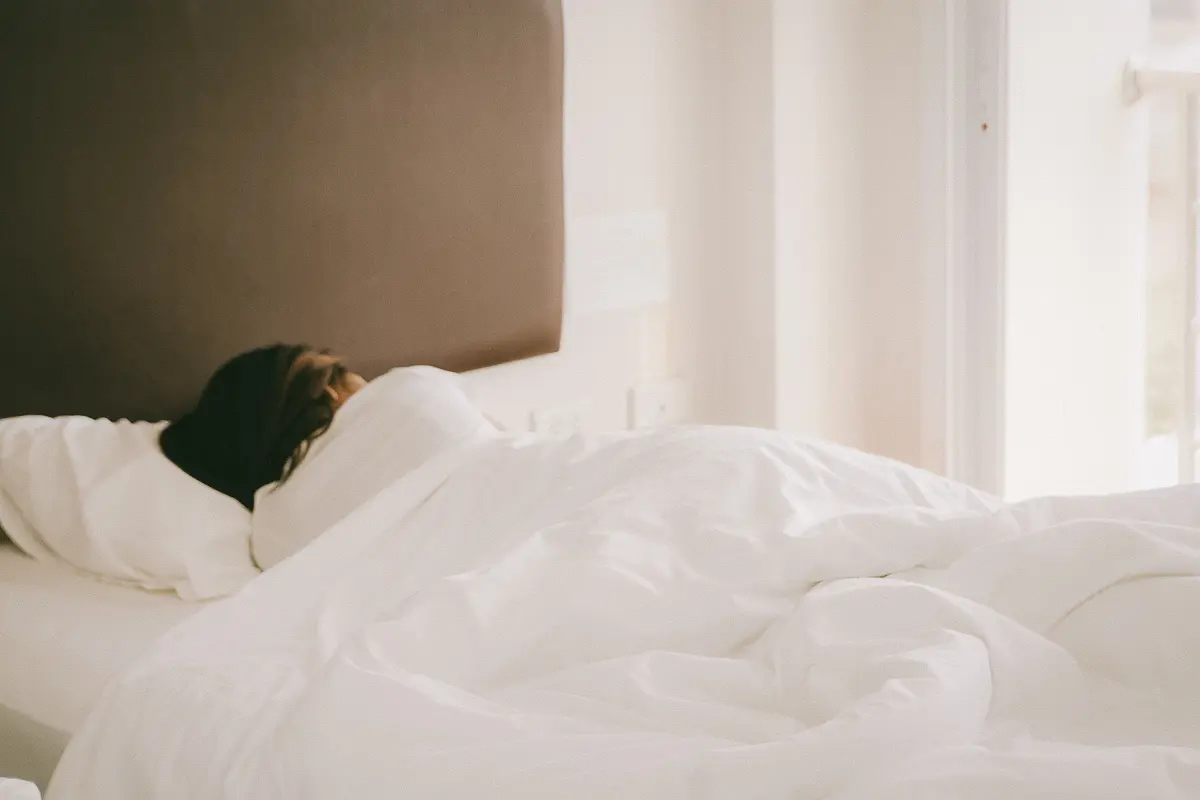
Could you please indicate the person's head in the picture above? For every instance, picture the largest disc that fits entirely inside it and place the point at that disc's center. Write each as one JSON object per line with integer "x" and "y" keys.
{"x": 257, "y": 417}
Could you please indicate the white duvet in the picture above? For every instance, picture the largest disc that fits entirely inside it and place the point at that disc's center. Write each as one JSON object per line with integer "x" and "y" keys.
{"x": 704, "y": 613}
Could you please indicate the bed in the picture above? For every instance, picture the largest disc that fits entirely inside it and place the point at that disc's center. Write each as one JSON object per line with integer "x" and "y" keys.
{"x": 185, "y": 181}
{"x": 451, "y": 610}
{"x": 688, "y": 613}
{"x": 64, "y": 636}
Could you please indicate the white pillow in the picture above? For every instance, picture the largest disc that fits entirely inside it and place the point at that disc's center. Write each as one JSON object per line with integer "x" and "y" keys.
{"x": 395, "y": 424}
{"x": 13, "y": 789}
{"x": 101, "y": 497}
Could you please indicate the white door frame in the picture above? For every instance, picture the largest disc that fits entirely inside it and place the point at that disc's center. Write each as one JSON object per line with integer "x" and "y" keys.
{"x": 964, "y": 138}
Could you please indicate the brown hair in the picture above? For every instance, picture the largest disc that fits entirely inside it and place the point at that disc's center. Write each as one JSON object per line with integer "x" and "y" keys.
{"x": 256, "y": 419}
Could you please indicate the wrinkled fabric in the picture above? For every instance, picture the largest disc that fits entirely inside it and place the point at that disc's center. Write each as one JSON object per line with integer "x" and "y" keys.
{"x": 99, "y": 498}
{"x": 700, "y": 613}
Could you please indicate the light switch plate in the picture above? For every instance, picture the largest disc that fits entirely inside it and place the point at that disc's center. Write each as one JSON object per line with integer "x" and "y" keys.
{"x": 617, "y": 262}
{"x": 662, "y": 402}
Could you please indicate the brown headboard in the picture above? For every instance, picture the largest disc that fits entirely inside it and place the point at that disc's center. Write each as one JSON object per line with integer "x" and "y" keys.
{"x": 181, "y": 180}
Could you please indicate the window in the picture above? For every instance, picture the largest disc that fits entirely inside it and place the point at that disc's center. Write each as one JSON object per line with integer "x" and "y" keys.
{"x": 1093, "y": 343}
{"x": 1169, "y": 449}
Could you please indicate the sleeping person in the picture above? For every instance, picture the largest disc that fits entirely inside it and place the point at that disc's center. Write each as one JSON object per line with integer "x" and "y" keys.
{"x": 257, "y": 417}
{"x": 294, "y": 436}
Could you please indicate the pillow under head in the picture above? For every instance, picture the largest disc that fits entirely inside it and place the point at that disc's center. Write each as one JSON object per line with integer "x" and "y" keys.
{"x": 99, "y": 496}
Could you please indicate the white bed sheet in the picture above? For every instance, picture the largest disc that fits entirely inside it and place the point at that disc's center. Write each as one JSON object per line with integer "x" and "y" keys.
{"x": 62, "y": 637}
{"x": 700, "y": 614}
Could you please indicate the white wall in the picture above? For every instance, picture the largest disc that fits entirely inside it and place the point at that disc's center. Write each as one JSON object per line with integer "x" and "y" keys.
{"x": 780, "y": 136}
{"x": 841, "y": 145}
{"x": 741, "y": 292}
{"x": 639, "y": 134}
{"x": 1076, "y": 247}
{"x": 820, "y": 61}
{"x": 893, "y": 379}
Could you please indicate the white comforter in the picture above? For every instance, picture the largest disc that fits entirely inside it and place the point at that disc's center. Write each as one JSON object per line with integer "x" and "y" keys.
{"x": 704, "y": 613}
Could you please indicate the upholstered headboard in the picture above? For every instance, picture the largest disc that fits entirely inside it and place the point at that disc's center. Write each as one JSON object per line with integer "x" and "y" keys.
{"x": 184, "y": 179}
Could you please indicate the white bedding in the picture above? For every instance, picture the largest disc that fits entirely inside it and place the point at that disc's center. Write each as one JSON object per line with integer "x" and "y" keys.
{"x": 99, "y": 496}
{"x": 63, "y": 636}
{"x": 701, "y": 613}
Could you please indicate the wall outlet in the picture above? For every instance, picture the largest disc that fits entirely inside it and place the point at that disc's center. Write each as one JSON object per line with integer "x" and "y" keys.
{"x": 662, "y": 402}
{"x": 561, "y": 420}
